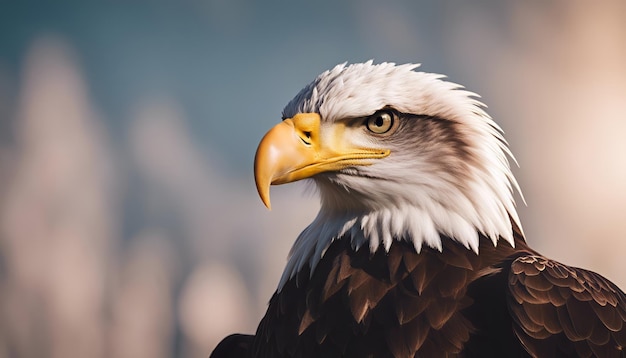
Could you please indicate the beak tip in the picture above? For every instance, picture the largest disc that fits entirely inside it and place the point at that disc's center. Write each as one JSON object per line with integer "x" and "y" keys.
{"x": 266, "y": 202}
{"x": 264, "y": 194}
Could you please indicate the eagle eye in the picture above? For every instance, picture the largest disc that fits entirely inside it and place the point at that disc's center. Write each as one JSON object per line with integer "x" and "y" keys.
{"x": 380, "y": 122}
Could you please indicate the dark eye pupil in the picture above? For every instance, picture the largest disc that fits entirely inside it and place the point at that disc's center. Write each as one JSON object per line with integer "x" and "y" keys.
{"x": 379, "y": 121}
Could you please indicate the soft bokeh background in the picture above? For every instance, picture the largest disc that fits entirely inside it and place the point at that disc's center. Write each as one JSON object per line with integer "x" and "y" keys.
{"x": 129, "y": 222}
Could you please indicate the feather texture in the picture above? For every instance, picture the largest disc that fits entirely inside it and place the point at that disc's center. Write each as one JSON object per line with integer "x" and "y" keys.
{"x": 549, "y": 300}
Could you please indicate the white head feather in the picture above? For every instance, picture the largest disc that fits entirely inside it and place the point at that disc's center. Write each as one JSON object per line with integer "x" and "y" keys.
{"x": 410, "y": 195}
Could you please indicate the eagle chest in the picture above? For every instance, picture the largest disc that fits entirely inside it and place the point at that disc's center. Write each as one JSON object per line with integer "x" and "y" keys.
{"x": 361, "y": 304}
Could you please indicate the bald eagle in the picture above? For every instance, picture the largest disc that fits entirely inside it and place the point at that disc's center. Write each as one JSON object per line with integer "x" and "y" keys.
{"x": 417, "y": 250}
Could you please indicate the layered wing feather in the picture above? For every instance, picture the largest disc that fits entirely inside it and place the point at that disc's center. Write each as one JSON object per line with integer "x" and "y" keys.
{"x": 561, "y": 310}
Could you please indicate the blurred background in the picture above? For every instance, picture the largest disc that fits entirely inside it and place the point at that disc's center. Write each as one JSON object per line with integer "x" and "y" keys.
{"x": 129, "y": 221}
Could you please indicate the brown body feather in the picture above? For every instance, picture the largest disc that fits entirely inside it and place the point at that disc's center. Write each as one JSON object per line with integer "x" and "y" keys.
{"x": 505, "y": 302}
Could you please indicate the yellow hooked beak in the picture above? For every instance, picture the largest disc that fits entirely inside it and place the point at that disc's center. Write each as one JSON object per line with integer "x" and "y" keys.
{"x": 297, "y": 149}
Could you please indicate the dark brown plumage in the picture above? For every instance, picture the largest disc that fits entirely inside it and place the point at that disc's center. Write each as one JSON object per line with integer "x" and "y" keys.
{"x": 505, "y": 302}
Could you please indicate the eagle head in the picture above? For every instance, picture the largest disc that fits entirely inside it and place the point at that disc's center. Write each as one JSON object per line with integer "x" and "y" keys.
{"x": 396, "y": 154}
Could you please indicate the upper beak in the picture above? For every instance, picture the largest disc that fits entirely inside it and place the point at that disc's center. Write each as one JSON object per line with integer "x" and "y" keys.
{"x": 294, "y": 150}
